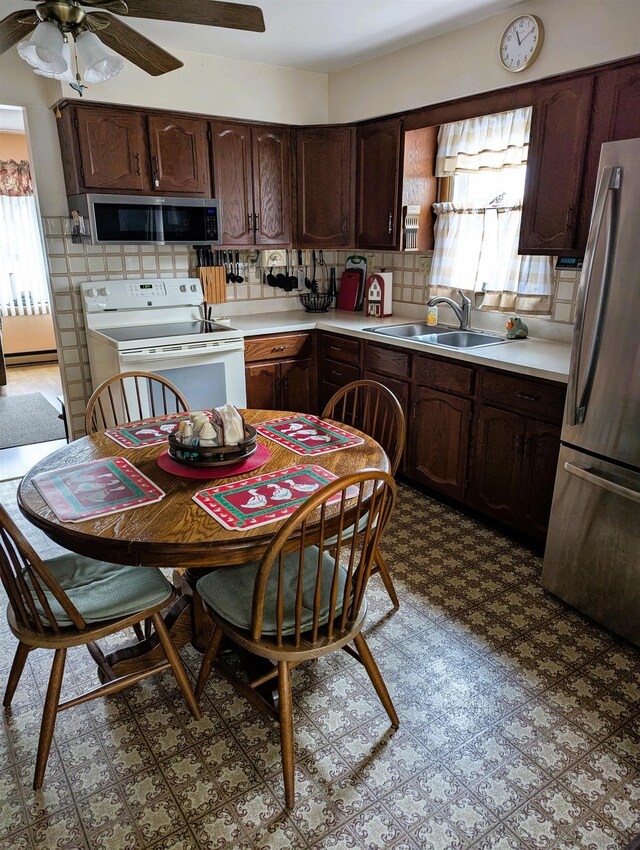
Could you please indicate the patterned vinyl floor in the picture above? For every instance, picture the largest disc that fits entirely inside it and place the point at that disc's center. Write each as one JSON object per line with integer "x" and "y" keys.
{"x": 520, "y": 727}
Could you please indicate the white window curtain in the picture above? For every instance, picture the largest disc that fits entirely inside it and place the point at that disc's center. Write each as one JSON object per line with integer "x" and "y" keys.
{"x": 476, "y": 234}
{"x": 23, "y": 276}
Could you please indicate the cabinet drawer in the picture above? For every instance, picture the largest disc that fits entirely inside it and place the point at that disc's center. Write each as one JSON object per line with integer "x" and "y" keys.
{"x": 540, "y": 401}
{"x": 440, "y": 375}
{"x": 277, "y": 347}
{"x": 393, "y": 361}
{"x": 338, "y": 374}
{"x": 340, "y": 348}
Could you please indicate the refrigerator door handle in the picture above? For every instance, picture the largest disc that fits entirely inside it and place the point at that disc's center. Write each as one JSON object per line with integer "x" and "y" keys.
{"x": 604, "y": 483}
{"x": 610, "y": 181}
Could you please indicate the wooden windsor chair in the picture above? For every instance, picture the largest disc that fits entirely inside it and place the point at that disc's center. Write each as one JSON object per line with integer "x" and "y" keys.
{"x": 129, "y": 397}
{"x": 372, "y": 408}
{"x": 305, "y": 598}
{"x": 73, "y": 600}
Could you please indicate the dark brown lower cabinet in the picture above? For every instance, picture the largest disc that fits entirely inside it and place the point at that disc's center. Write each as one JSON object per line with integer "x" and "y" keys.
{"x": 439, "y": 437}
{"x": 284, "y": 385}
{"x": 513, "y": 468}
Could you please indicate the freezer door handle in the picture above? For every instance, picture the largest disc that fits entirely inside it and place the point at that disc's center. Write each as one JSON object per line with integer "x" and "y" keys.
{"x": 610, "y": 181}
{"x": 604, "y": 483}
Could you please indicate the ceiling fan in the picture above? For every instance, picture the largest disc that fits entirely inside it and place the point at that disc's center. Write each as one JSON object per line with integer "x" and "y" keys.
{"x": 67, "y": 20}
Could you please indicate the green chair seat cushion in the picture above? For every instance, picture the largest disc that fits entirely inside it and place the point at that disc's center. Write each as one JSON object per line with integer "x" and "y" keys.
{"x": 103, "y": 591}
{"x": 229, "y": 592}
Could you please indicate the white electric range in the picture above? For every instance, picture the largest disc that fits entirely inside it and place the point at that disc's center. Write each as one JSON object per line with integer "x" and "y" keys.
{"x": 158, "y": 325}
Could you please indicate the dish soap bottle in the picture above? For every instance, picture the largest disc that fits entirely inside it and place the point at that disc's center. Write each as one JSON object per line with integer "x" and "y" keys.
{"x": 432, "y": 316}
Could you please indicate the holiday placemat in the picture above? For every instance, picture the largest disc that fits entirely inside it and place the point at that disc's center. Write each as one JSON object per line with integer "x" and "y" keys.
{"x": 149, "y": 432}
{"x": 93, "y": 489}
{"x": 307, "y": 435}
{"x": 262, "y": 499}
{"x": 229, "y": 470}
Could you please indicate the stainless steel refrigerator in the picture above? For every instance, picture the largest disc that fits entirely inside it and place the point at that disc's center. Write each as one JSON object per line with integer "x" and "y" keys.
{"x": 592, "y": 557}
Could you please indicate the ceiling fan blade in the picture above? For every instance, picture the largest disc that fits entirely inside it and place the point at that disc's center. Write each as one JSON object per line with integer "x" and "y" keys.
{"x": 132, "y": 45}
{"x": 117, "y": 6}
{"x": 213, "y": 13}
{"x": 16, "y": 26}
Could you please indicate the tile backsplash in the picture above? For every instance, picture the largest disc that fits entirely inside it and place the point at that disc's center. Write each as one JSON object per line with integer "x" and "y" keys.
{"x": 70, "y": 264}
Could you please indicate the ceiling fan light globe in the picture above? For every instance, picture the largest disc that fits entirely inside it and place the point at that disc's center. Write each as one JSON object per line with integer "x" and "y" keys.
{"x": 43, "y": 50}
{"x": 66, "y": 76}
{"x": 99, "y": 64}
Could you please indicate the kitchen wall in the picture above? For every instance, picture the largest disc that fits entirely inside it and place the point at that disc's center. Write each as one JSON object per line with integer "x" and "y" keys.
{"x": 578, "y": 33}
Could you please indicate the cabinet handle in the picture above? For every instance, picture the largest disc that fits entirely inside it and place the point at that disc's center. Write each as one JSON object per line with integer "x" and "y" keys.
{"x": 137, "y": 157}
{"x": 569, "y": 219}
{"x": 256, "y": 218}
{"x": 414, "y": 409}
{"x": 278, "y": 384}
{"x": 279, "y": 348}
{"x": 250, "y": 217}
{"x": 528, "y": 397}
{"x": 344, "y": 225}
{"x": 336, "y": 373}
{"x": 390, "y": 222}
{"x": 518, "y": 444}
{"x": 285, "y": 383}
{"x": 156, "y": 177}
{"x": 527, "y": 447}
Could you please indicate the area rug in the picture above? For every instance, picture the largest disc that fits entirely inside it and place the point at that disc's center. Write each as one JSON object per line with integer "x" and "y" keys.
{"x": 27, "y": 419}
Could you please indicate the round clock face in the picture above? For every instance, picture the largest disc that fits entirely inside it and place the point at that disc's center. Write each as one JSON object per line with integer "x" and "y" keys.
{"x": 521, "y": 42}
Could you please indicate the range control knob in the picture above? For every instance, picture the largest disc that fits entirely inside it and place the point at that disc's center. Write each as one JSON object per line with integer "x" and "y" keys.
{"x": 104, "y": 291}
{"x": 183, "y": 287}
{"x": 194, "y": 287}
{"x": 92, "y": 292}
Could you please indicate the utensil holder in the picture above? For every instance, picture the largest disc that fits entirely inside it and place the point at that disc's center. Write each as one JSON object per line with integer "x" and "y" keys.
{"x": 214, "y": 284}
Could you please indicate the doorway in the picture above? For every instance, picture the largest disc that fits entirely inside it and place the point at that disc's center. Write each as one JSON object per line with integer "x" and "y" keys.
{"x": 31, "y": 399}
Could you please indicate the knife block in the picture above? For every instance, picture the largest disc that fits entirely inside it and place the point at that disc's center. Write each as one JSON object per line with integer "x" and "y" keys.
{"x": 214, "y": 284}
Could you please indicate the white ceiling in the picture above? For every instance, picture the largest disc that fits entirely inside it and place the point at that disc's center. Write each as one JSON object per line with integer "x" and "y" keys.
{"x": 318, "y": 35}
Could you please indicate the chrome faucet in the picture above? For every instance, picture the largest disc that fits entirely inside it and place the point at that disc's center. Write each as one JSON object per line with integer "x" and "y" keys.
{"x": 463, "y": 311}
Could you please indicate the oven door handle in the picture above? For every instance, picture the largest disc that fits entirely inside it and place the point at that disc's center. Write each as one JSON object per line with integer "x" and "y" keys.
{"x": 180, "y": 353}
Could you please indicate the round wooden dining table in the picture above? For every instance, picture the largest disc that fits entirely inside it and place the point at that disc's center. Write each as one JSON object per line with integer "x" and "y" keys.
{"x": 175, "y": 532}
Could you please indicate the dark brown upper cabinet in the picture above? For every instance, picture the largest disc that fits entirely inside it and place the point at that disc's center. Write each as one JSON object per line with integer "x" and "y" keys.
{"x": 615, "y": 116}
{"x": 179, "y": 155}
{"x": 557, "y": 149}
{"x": 113, "y": 150}
{"x": 378, "y": 184}
{"x": 106, "y": 149}
{"x": 251, "y": 167}
{"x": 325, "y": 186}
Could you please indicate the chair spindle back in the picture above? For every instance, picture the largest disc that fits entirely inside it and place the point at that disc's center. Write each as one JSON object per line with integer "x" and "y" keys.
{"x": 129, "y": 397}
{"x": 372, "y": 408}
{"x": 24, "y": 575}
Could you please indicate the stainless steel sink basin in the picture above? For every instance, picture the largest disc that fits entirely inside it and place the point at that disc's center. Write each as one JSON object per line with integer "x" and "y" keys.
{"x": 409, "y": 331}
{"x": 468, "y": 339}
{"x": 446, "y": 337}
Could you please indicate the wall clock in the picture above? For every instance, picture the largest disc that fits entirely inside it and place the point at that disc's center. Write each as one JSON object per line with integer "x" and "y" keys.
{"x": 521, "y": 43}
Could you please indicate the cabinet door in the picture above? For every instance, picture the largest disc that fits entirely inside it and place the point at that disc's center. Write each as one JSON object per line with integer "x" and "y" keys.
{"x": 271, "y": 149}
{"x": 179, "y": 155}
{"x": 378, "y": 185}
{"x": 263, "y": 386}
{"x": 496, "y": 464}
{"x": 559, "y": 134}
{"x": 113, "y": 150}
{"x": 231, "y": 147}
{"x": 615, "y": 116}
{"x": 325, "y": 186}
{"x": 541, "y": 449}
{"x": 439, "y": 436}
{"x": 298, "y": 385}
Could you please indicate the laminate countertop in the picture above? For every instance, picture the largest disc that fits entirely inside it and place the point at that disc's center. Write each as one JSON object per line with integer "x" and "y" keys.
{"x": 536, "y": 357}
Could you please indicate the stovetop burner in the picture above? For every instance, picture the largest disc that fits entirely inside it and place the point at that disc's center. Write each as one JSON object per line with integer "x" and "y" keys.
{"x": 164, "y": 330}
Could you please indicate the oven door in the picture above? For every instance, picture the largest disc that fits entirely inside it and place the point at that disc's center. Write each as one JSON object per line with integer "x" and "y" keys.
{"x": 208, "y": 376}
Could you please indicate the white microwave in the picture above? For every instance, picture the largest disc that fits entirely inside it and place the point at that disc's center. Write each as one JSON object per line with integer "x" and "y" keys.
{"x": 145, "y": 219}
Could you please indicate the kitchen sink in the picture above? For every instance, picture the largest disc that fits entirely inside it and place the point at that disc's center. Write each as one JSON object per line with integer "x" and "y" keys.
{"x": 409, "y": 331}
{"x": 446, "y": 337}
